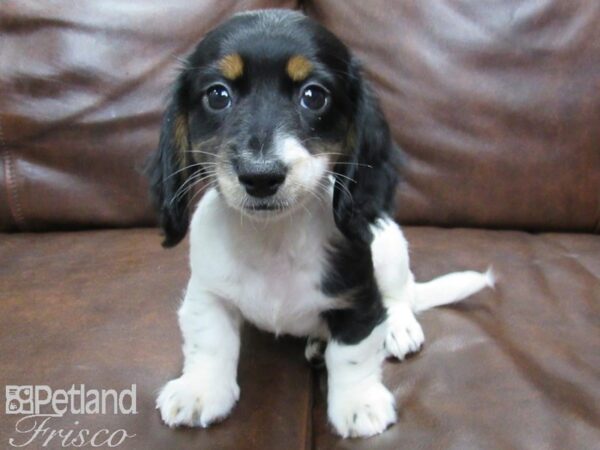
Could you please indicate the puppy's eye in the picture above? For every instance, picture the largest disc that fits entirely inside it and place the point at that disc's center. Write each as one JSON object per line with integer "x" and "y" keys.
{"x": 217, "y": 98}
{"x": 314, "y": 97}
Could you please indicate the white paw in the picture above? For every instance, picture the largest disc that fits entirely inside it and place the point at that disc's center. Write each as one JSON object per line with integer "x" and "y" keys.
{"x": 192, "y": 400}
{"x": 405, "y": 334}
{"x": 360, "y": 412}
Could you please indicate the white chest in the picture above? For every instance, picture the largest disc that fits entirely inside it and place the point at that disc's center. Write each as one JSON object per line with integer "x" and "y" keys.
{"x": 280, "y": 291}
{"x": 272, "y": 271}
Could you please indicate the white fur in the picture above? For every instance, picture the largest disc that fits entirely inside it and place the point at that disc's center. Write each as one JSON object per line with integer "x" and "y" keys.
{"x": 269, "y": 272}
{"x": 404, "y": 297}
{"x": 451, "y": 288}
{"x": 306, "y": 174}
{"x": 359, "y": 405}
{"x": 313, "y": 350}
{"x": 207, "y": 389}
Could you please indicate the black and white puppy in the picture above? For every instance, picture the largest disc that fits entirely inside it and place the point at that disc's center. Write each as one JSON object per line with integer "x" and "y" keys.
{"x": 271, "y": 120}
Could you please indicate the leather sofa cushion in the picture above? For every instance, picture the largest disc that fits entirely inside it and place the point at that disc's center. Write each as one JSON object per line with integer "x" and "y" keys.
{"x": 83, "y": 89}
{"x": 513, "y": 368}
{"x": 496, "y": 106}
{"x": 516, "y": 367}
{"x": 99, "y": 309}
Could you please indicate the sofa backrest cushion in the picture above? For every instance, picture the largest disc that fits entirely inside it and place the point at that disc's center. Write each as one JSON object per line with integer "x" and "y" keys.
{"x": 82, "y": 88}
{"x": 496, "y": 105}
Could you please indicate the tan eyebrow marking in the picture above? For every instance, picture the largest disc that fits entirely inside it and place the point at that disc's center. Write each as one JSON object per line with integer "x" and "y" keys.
{"x": 232, "y": 66}
{"x": 298, "y": 68}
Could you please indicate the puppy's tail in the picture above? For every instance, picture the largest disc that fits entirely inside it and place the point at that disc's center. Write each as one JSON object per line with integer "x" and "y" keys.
{"x": 450, "y": 288}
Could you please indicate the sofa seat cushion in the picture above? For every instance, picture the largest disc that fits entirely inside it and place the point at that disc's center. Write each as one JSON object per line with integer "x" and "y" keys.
{"x": 99, "y": 309}
{"x": 516, "y": 367}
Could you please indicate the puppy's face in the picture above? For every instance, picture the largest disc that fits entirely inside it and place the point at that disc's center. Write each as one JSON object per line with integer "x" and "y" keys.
{"x": 268, "y": 110}
{"x": 268, "y": 107}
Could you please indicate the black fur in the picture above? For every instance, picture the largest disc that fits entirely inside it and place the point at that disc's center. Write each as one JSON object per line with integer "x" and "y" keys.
{"x": 371, "y": 177}
{"x": 351, "y": 276}
{"x": 163, "y": 170}
{"x": 265, "y": 100}
{"x": 364, "y": 193}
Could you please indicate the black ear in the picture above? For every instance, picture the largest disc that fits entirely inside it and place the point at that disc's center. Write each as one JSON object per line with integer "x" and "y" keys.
{"x": 366, "y": 179}
{"x": 165, "y": 168}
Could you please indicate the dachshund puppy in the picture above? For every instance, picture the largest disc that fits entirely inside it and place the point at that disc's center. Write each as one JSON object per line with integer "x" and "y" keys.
{"x": 271, "y": 121}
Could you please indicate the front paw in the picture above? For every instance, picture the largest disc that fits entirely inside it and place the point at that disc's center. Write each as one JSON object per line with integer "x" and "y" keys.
{"x": 195, "y": 400}
{"x": 404, "y": 335}
{"x": 361, "y": 412}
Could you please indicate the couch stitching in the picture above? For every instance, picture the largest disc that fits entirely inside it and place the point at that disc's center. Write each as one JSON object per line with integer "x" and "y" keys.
{"x": 14, "y": 203}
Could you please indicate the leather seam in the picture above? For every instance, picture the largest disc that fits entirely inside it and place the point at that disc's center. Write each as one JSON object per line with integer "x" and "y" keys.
{"x": 12, "y": 194}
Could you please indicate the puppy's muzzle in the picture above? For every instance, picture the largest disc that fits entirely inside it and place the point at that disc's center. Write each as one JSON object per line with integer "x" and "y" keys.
{"x": 261, "y": 179}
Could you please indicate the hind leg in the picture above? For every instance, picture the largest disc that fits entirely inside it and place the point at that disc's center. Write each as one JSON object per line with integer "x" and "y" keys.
{"x": 405, "y": 335}
{"x": 397, "y": 285}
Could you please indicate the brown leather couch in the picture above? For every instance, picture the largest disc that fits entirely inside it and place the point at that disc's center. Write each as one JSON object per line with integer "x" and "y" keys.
{"x": 497, "y": 108}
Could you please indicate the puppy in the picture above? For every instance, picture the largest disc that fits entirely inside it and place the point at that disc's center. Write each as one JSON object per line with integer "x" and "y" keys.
{"x": 271, "y": 121}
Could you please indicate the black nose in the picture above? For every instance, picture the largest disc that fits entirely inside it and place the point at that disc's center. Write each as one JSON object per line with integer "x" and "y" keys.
{"x": 261, "y": 179}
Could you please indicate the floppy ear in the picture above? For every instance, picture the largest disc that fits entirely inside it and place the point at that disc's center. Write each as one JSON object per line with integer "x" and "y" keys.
{"x": 165, "y": 168}
{"x": 366, "y": 179}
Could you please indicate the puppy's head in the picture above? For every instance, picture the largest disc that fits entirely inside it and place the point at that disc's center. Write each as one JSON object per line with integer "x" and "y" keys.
{"x": 267, "y": 108}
